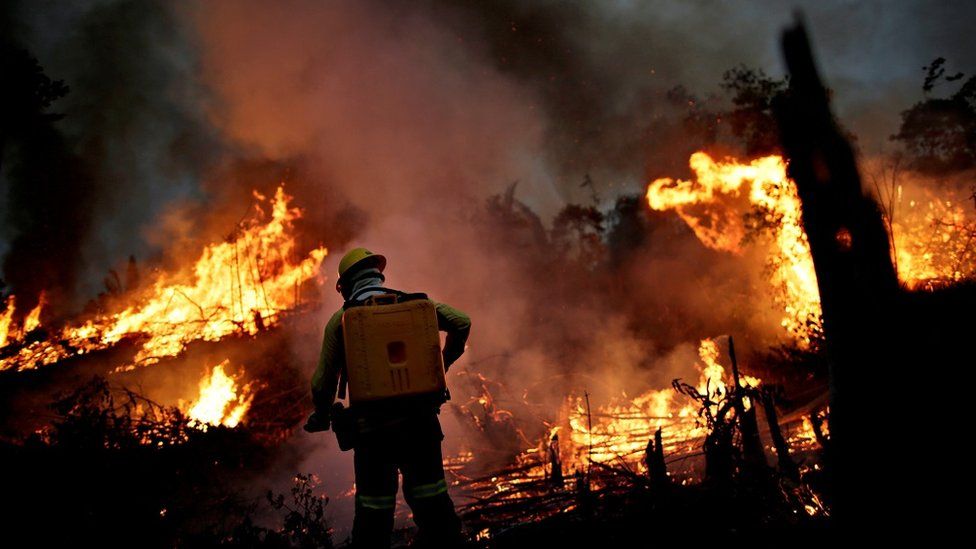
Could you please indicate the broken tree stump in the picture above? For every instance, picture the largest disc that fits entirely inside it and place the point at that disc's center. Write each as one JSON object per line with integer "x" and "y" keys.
{"x": 584, "y": 497}
{"x": 816, "y": 422}
{"x": 753, "y": 456}
{"x": 657, "y": 469}
{"x": 555, "y": 463}
{"x": 787, "y": 467}
{"x": 858, "y": 286}
{"x": 719, "y": 464}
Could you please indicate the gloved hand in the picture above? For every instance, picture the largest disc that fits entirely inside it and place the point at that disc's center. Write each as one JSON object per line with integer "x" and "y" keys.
{"x": 317, "y": 422}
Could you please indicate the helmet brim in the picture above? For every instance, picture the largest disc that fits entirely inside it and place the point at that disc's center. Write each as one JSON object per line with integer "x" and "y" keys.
{"x": 372, "y": 261}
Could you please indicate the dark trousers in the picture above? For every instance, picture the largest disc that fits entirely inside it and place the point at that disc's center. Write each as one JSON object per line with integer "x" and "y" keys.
{"x": 411, "y": 447}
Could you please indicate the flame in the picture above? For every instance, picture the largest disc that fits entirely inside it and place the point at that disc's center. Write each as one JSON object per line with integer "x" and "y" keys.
{"x": 9, "y": 332}
{"x": 804, "y": 435}
{"x": 933, "y": 240}
{"x": 237, "y": 286}
{"x": 33, "y": 319}
{"x": 710, "y": 205}
{"x": 7, "y": 328}
{"x": 932, "y": 237}
{"x": 221, "y": 401}
{"x": 617, "y": 434}
{"x": 621, "y": 430}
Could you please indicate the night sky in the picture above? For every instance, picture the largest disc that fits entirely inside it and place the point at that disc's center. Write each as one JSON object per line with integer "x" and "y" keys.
{"x": 383, "y": 98}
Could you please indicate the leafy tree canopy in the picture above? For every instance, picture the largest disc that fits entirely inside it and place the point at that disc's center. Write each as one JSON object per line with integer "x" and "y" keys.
{"x": 939, "y": 133}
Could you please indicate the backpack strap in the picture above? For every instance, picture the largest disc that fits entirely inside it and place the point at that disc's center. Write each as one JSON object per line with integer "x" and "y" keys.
{"x": 354, "y": 300}
{"x": 343, "y": 381}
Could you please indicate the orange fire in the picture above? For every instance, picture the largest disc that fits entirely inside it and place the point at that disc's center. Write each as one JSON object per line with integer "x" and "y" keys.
{"x": 714, "y": 205}
{"x": 9, "y": 332}
{"x": 221, "y": 401}
{"x": 237, "y": 286}
{"x": 7, "y": 328}
{"x": 804, "y": 435}
{"x": 620, "y": 430}
{"x": 932, "y": 238}
{"x": 33, "y": 319}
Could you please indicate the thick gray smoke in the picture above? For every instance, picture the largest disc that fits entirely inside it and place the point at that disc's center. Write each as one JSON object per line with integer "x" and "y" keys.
{"x": 133, "y": 120}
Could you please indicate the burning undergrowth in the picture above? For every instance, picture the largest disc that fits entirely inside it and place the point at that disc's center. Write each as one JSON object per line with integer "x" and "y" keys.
{"x": 221, "y": 341}
{"x": 529, "y": 440}
{"x": 239, "y": 286}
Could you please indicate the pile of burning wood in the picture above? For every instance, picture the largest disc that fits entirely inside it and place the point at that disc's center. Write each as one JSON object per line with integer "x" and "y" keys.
{"x": 704, "y": 436}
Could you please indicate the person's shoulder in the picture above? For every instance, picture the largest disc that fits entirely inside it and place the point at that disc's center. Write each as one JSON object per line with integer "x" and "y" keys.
{"x": 451, "y": 311}
{"x": 335, "y": 320}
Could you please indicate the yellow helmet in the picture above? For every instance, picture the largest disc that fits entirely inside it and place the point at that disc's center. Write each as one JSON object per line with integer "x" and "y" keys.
{"x": 360, "y": 257}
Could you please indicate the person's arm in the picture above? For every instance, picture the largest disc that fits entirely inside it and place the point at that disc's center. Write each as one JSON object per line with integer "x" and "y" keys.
{"x": 458, "y": 326}
{"x": 325, "y": 380}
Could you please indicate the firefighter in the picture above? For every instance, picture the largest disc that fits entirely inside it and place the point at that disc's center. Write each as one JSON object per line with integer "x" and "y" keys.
{"x": 388, "y": 436}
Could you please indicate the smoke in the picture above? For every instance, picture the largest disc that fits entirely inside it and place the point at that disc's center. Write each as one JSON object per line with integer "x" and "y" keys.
{"x": 412, "y": 115}
{"x": 465, "y": 96}
{"x": 602, "y": 69}
{"x": 393, "y": 123}
{"x": 133, "y": 139}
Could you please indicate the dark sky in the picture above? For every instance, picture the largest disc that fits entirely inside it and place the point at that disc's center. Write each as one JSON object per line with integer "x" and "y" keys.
{"x": 452, "y": 93}
{"x": 871, "y": 51}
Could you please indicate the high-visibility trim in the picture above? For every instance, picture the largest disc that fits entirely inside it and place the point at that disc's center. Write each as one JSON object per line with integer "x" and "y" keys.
{"x": 376, "y": 502}
{"x": 427, "y": 490}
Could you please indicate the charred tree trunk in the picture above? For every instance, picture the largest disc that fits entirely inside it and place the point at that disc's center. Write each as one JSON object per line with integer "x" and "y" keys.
{"x": 718, "y": 457}
{"x": 787, "y": 467}
{"x": 584, "y": 497}
{"x": 555, "y": 463}
{"x": 753, "y": 456}
{"x": 857, "y": 282}
{"x": 718, "y": 448}
{"x": 754, "y": 464}
{"x": 816, "y": 421}
{"x": 657, "y": 470}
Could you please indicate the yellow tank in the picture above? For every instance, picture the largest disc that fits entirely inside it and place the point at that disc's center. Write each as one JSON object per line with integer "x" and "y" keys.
{"x": 392, "y": 349}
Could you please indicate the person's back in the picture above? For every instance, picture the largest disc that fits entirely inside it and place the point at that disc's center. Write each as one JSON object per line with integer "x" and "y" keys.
{"x": 381, "y": 351}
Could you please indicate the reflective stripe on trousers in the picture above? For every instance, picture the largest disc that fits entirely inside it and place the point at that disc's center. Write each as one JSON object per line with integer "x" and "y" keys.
{"x": 376, "y": 502}
{"x": 428, "y": 490}
{"x": 413, "y": 448}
